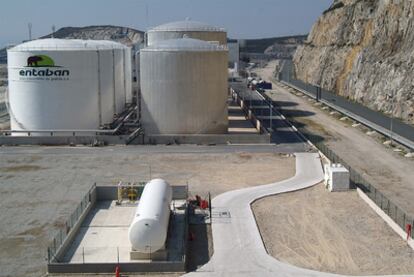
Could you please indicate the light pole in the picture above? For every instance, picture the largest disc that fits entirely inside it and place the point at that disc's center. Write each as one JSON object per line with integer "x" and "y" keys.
{"x": 391, "y": 96}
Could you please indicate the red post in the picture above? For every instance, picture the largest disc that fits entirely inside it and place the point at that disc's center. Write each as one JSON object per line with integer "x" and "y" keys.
{"x": 408, "y": 229}
{"x": 191, "y": 236}
{"x": 117, "y": 271}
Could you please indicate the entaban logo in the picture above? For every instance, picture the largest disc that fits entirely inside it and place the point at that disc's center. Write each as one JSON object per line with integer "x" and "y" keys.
{"x": 42, "y": 66}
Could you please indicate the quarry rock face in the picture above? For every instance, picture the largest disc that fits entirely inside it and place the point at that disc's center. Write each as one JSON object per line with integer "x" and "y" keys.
{"x": 285, "y": 48}
{"x": 364, "y": 50}
{"x": 124, "y": 35}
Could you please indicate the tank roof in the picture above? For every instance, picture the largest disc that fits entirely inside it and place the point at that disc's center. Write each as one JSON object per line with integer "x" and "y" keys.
{"x": 184, "y": 44}
{"x": 187, "y": 25}
{"x": 51, "y": 44}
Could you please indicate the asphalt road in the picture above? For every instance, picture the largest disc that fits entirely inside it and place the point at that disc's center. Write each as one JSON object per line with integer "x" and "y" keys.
{"x": 402, "y": 129}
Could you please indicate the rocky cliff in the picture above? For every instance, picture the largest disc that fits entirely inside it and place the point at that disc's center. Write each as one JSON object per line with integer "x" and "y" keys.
{"x": 285, "y": 48}
{"x": 278, "y": 47}
{"x": 364, "y": 50}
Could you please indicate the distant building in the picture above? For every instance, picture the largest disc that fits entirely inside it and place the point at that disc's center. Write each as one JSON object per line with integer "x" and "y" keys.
{"x": 234, "y": 51}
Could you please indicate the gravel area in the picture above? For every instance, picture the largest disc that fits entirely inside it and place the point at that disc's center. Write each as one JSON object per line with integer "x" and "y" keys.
{"x": 331, "y": 232}
{"x": 40, "y": 187}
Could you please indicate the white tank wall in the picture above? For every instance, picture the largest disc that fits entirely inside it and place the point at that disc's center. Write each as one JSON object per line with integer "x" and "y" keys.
{"x": 154, "y": 36}
{"x": 119, "y": 78}
{"x": 107, "y": 86}
{"x": 137, "y": 72}
{"x": 148, "y": 231}
{"x": 50, "y": 103}
{"x": 184, "y": 92}
{"x": 128, "y": 74}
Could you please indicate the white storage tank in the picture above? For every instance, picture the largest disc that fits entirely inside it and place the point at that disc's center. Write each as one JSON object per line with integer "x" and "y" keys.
{"x": 188, "y": 28}
{"x": 122, "y": 86}
{"x": 57, "y": 84}
{"x": 184, "y": 87}
{"x": 148, "y": 231}
{"x": 128, "y": 74}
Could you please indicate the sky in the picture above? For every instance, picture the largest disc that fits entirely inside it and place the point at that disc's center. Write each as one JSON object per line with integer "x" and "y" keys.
{"x": 241, "y": 18}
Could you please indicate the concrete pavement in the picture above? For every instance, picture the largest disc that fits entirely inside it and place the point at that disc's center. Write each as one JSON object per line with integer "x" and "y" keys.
{"x": 238, "y": 247}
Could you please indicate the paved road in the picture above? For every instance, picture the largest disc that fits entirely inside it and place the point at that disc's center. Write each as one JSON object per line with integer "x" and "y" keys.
{"x": 400, "y": 128}
{"x": 238, "y": 247}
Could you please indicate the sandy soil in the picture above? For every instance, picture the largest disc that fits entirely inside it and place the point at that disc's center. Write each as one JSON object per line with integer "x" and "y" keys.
{"x": 38, "y": 190}
{"x": 331, "y": 232}
{"x": 387, "y": 170}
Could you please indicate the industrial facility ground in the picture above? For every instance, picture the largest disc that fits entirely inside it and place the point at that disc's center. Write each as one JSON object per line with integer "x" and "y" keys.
{"x": 40, "y": 186}
{"x": 331, "y": 232}
{"x": 387, "y": 170}
{"x": 103, "y": 235}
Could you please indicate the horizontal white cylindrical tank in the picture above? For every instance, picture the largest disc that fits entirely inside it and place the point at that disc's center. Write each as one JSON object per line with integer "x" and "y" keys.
{"x": 188, "y": 28}
{"x": 148, "y": 231}
{"x": 57, "y": 84}
{"x": 184, "y": 87}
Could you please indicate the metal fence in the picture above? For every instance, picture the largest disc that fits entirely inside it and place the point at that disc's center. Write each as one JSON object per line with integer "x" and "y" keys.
{"x": 388, "y": 126}
{"x": 67, "y": 226}
{"x": 398, "y": 215}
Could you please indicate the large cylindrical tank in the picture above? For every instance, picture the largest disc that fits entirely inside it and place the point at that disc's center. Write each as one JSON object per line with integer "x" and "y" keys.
{"x": 128, "y": 74}
{"x": 188, "y": 28}
{"x": 122, "y": 76}
{"x": 184, "y": 87}
{"x": 148, "y": 231}
{"x": 57, "y": 84}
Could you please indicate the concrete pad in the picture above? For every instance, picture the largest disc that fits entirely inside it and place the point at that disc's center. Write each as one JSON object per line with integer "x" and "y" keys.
{"x": 103, "y": 236}
{"x": 237, "y": 118}
{"x": 243, "y": 130}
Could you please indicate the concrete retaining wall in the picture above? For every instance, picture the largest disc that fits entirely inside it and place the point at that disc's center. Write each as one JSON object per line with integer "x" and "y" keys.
{"x": 61, "y": 140}
{"x": 110, "y": 267}
{"x": 386, "y": 218}
{"x": 207, "y": 139}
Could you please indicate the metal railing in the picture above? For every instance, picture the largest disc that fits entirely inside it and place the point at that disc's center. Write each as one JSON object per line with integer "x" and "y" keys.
{"x": 68, "y": 226}
{"x": 390, "y": 127}
{"x": 398, "y": 215}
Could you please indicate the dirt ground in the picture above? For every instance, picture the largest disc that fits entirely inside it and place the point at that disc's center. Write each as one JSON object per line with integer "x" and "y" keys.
{"x": 331, "y": 232}
{"x": 387, "y": 170}
{"x": 40, "y": 187}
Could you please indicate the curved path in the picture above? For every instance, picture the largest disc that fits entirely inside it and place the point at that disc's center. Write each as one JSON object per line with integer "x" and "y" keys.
{"x": 238, "y": 246}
